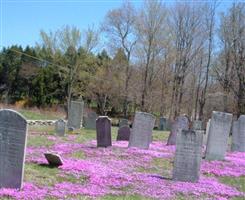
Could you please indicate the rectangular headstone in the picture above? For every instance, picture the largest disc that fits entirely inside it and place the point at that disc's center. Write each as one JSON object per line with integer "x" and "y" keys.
{"x": 123, "y": 122}
{"x": 205, "y": 137}
{"x": 60, "y": 127}
{"x": 162, "y": 124}
{"x": 103, "y": 131}
{"x": 13, "y": 135}
{"x": 188, "y": 155}
{"x": 238, "y": 135}
{"x": 90, "y": 120}
{"x": 197, "y": 125}
{"x": 141, "y": 134}
{"x": 219, "y": 131}
{"x": 75, "y": 114}
{"x": 123, "y": 133}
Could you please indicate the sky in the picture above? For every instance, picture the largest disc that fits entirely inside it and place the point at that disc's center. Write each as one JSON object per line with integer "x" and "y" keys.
{"x": 22, "y": 20}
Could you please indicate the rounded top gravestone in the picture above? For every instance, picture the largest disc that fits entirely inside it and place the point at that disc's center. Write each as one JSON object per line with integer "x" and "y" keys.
{"x": 103, "y": 131}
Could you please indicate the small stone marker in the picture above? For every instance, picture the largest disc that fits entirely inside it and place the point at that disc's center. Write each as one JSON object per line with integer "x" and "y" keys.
{"x": 141, "y": 134}
{"x": 197, "y": 125}
{"x": 123, "y": 122}
{"x": 13, "y": 134}
{"x": 205, "y": 137}
{"x": 53, "y": 159}
{"x": 162, "y": 123}
{"x": 103, "y": 131}
{"x": 188, "y": 155}
{"x": 181, "y": 122}
{"x": 238, "y": 135}
{"x": 75, "y": 114}
{"x": 219, "y": 131}
{"x": 90, "y": 120}
{"x": 123, "y": 133}
{"x": 60, "y": 127}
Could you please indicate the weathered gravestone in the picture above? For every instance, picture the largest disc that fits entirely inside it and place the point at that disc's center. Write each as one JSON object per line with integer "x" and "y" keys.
{"x": 90, "y": 120}
{"x": 60, "y": 127}
{"x": 141, "y": 134}
{"x": 75, "y": 114}
{"x": 197, "y": 125}
{"x": 103, "y": 131}
{"x": 181, "y": 122}
{"x": 162, "y": 123}
{"x": 205, "y": 137}
{"x": 238, "y": 135}
{"x": 123, "y": 133}
{"x": 188, "y": 155}
{"x": 13, "y": 134}
{"x": 219, "y": 131}
{"x": 53, "y": 159}
{"x": 123, "y": 122}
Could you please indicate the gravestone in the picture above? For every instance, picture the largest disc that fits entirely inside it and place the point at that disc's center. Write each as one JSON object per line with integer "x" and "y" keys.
{"x": 90, "y": 120}
{"x": 181, "y": 122}
{"x": 162, "y": 124}
{"x": 238, "y": 135}
{"x": 53, "y": 159}
{"x": 60, "y": 127}
{"x": 103, "y": 131}
{"x": 219, "y": 131}
{"x": 188, "y": 155}
{"x": 123, "y": 133}
{"x": 141, "y": 134}
{"x": 75, "y": 114}
{"x": 13, "y": 134}
{"x": 205, "y": 137}
{"x": 123, "y": 122}
{"x": 197, "y": 125}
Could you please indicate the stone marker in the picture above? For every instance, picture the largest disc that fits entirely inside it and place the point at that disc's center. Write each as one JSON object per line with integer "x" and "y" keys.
{"x": 13, "y": 134}
{"x": 103, "y": 131}
{"x": 162, "y": 123}
{"x": 123, "y": 133}
{"x": 60, "y": 127}
{"x": 75, "y": 114}
{"x": 238, "y": 135}
{"x": 141, "y": 134}
{"x": 53, "y": 159}
{"x": 123, "y": 122}
{"x": 205, "y": 137}
{"x": 181, "y": 122}
{"x": 197, "y": 125}
{"x": 90, "y": 120}
{"x": 219, "y": 131}
{"x": 188, "y": 155}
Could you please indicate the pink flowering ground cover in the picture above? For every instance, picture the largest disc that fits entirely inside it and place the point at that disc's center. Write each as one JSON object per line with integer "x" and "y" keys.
{"x": 90, "y": 172}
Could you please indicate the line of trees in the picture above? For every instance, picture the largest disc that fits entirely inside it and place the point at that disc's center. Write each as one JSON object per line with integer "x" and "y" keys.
{"x": 168, "y": 60}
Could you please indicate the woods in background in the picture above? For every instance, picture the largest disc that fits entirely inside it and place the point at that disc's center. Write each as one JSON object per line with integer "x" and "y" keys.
{"x": 168, "y": 60}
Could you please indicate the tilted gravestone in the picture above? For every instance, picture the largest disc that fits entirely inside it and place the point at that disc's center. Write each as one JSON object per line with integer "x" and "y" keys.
{"x": 219, "y": 131}
{"x": 53, "y": 159}
{"x": 123, "y": 133}
{"x": 238, "y": 135}
{"x": 188, "y": 155}
{"x": 123, "y": 122}
{"x": 103, "y": 131}
{"x": 60, "y": 127}
{"x": 75, "y": 114}
{"x": 162, "y": 123}
{"x": 141, "y": 134}
{"x": 90, "y": 120}
{"x": 181, "y": 122}
{"x": 13, "y": 136}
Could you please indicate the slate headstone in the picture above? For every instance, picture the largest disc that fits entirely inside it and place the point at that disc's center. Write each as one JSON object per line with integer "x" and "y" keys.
{"x": 60, "y": 127}
{"x": 123, "y": 122}
{"x": 123, "y": 133}
{"x": 181, "y": 122}
{"x": 13, "y": 136}
{"x": 219, "y": 131}
{"x": 75, "y": 114}
{"x": 53, "y": 159}
{"x": 162, "y": 123}
{"x": 103, "y": 131}
{"x": 141, "y": 134}
{"x": 90, "y": 120}
{"x": 188, "y": 155}
{"x": 238, "y": 135}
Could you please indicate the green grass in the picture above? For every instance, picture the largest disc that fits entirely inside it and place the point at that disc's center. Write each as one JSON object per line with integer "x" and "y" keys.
{"x": 38, "y": 140}
{"x": 37, "y": 115}
{"x": 238, "y": 182}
